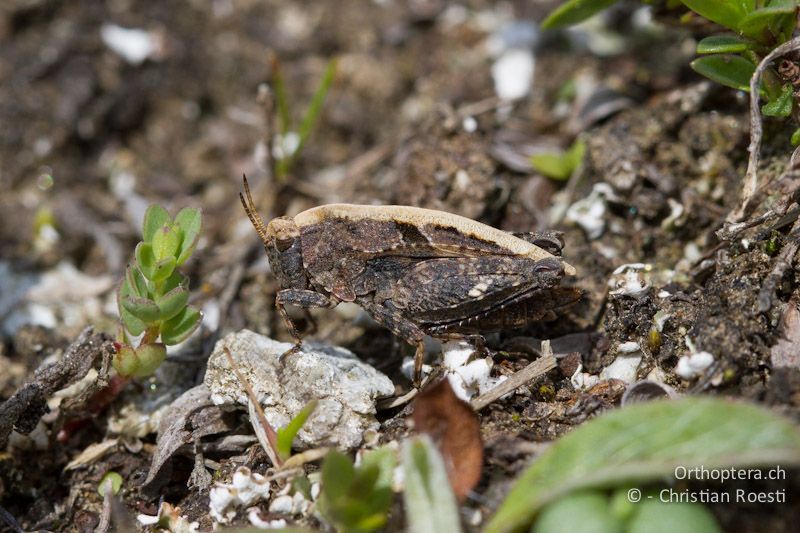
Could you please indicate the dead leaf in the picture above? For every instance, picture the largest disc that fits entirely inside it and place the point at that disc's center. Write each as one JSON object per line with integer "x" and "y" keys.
{"x": 192, "y": 415}
{"x": 455, "y": 428}
{"x": 92, "y": 453}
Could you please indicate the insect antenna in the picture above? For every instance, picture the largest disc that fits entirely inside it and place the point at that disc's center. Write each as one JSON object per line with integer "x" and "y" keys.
{"x": 252, "y": 213}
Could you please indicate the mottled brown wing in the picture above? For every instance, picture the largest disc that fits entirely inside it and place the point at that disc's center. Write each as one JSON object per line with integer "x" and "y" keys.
{"x": 520, "y": 311}
{"x": 447, "y": 289}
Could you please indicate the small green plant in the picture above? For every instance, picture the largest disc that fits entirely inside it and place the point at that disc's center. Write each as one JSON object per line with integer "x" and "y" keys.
{"x": 292, "y": 138}
{"x": 357, "y": 499}
{"x": 286, "y": 435}
{"x": 111, "y": 482}
{"x": 153, "y": 296}
{"x": 430, "y": 503}
{"x": 757, "y": 26}
{"x": 560, "y": 166}
{"x": 643, "y": 444}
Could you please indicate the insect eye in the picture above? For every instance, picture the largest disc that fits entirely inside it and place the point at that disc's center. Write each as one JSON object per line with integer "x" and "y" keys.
{"x": 284, "y": 244}
{"x": 548, "y": 265}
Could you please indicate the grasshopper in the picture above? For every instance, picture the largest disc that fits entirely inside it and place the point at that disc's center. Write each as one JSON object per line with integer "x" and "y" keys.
{"x": 416, "y": 271}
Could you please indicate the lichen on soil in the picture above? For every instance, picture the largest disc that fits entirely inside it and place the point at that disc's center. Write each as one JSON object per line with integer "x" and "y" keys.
{"x": 89, "y": 139}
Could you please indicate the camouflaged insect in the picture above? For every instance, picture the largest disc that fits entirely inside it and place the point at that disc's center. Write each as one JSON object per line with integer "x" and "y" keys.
{"x": 415, "y": 271}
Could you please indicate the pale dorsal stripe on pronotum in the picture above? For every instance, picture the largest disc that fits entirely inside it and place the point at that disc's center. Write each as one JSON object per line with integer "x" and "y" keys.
{"x": 418, "y": 216}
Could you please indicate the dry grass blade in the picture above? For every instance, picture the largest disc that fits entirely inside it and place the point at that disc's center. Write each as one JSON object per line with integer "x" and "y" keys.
{"x": 544, "y": 364}
{"x": 272, "y": 437}
{"x": 756, "y": 128}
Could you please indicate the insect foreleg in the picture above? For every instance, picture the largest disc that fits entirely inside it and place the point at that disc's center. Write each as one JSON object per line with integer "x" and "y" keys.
{"x": 304, "y": 299}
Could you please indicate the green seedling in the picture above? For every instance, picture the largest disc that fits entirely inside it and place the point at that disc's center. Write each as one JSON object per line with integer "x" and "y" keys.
{"x": 430, "y": 503}
{"x": 357, "y": 499}
{"x": 111, "y": 482}
{"x": 293, "y": 137}
{"x": 757, "y": 28}
{"x": 287, "y": 434}
{"x": 560, "y": 166}
{"x": 153, "y": 297}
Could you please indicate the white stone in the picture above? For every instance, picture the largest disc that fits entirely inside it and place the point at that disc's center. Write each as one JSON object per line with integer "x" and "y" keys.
{"x": 623, "y": 368}
{"x": 345, "y": 387}
{"x": 132, "y": 44}
{"x": 589, "y": 213}
{"x": 513, "y": 74}
{"x": 245, "y": 489}
{"x": 692, "y": 365}
{"x": 282, "y": 505}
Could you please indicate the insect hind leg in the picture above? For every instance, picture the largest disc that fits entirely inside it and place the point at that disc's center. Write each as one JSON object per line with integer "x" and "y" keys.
{"x": 404, "y": 329}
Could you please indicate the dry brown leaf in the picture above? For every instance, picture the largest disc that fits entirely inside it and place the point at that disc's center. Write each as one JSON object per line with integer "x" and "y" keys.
{"x": 455, "y": 428}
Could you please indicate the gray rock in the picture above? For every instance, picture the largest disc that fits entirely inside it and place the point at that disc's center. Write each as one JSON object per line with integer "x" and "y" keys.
{"x": 345, "y": 387}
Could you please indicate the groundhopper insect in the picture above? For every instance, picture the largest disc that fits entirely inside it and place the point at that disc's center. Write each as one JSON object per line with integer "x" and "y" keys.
{"x": 415, "y": 271}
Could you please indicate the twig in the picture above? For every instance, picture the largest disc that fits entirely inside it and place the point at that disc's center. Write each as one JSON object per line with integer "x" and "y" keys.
{"x": 104, "y": 526}
{"x": 782, "y": 263}
{"x": 299, "y": 459}
{"x": 24, "y": 409}
{"x": 542, "y": 365}
{"x": 756, "y": 128}
{"x": 733, "y": 230}
{"x": 397, "y": 401}
{"x": 272, "y": 437}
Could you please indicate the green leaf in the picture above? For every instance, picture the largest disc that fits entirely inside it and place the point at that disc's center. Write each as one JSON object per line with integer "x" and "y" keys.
{"x": 585, "y": 512}
{"x": 646, "y": 442}
{"x": 111, "y": 481}
{"x": 189, "y": 220}
{"x": 574, "y": 155}
{"x": 429, "y": 500}
{"x": 796, "y": 137}
{"x": 729, "y": 70}
{"x": 133, "y": 325}
{"x": 176, "y": 279}
{"x": 315, "y": 107}
{"x": 353, "y": 499}
{"x": 655, "y": 516}
{"x": 385, "y": 459}
{"x": 125, "y": 361}
{"x": 163, "y": 269}
{"x": 560, "y": 166}
{"x": 142, "y": 308}
{"x": 166, "y": 242}
{"x": 767, "y": 23}
{"x": 178, "y": 328}
{"x": 281, "y": 98}
{"x": 574, "y": 11}
{"x": 145, "y": 259}
{"x": 724, "y": 12}
{"x": 780, "y": 106}
{"x": 136, "y": 282}
{"x": 722, "y": 44}
{"x": 287, "y": 434}
{"x": 150, "y": 358}
{"x": 338, "y": 473}
{"x": 173, "y": 302}
{"x": 155, "y": 217}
